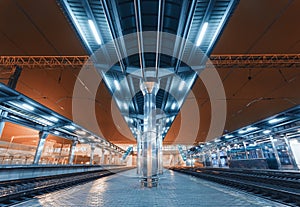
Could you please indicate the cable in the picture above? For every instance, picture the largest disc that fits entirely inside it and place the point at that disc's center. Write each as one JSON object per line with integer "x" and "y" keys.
{"x": 270, "y": 25}
{"x": 36, "y": 27}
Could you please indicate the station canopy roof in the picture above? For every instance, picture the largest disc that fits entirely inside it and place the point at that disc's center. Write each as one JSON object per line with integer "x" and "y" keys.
{"x": 285, "y": 124}
{"x": 256, "y": 31}
{"x": 165, "y": 41}
{"x": 22, "y": 110}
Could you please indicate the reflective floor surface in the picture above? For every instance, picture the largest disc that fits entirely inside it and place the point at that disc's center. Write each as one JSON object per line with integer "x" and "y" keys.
{"x": 123, "y": 189}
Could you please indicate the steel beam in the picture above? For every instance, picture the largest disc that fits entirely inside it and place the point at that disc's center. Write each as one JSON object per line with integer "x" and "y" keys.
{"x": 139, "y": 29}
{"x": 161, "y": 5}
{"x": 39, "y": 150}
{"x": 93, "y": 147}
{"x": 187, "y": 28}
{"x": 218, "y": 61}
{"x": 49, "y": 62}
{"x": 254, "y": 61}
{"x": 114, "y": 35}
{"x": 72, "y": 152}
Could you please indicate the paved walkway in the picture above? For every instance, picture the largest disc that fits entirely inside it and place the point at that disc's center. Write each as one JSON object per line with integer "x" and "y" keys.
{"x": 175, "y": 189}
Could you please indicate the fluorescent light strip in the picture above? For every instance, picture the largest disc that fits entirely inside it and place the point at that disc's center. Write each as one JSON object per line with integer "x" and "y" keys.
{"x": 173, "y": 106}
{"x": 70, "y": 127}
{"x": 228, "y": 136}
{"x": 267, "y": 131}
{"x": 181, "y": 86}
{"x": 202, "y": 33}
{"x": 80, "y": 132}
{"x": 44, "y": 121}
{"x": 77, "y": 25}
{"x": 94, "y": 30}
{"x": 54, "y": 119}
{"x": 26, "y": 106}
{"x": 117, "y": 85}
{"x": 249, "y": 129}
{"x": 276, "y": 120}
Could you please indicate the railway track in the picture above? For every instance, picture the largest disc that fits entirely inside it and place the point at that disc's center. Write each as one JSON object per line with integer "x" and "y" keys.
{"x": 16, "y": 191}
{"x": 282, "y": 187}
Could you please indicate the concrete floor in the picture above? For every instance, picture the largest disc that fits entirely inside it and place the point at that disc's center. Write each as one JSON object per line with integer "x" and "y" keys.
{"x": 123, "y": 189}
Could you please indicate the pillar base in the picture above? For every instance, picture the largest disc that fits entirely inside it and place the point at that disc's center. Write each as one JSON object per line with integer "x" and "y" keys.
{"x": 149, "y": 182}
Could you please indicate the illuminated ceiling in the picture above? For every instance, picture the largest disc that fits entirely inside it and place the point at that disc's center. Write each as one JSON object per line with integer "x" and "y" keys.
{"x": 198, "y": 22}
{"x": 256, "y": 27}
{"x": 19, "y": 109}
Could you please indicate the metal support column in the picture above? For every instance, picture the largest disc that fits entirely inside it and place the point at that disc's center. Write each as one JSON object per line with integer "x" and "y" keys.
{"x": 159, "y": 148}
{"x": 120, "y": 159}
{"x": 149, "y": 138}
{"x": 117, "y": 158}
{"x": 13, "y": 79}
{"x": 110, "y": 157}
{"x": 102, "y": 156}
{"x": 204, "y": 159}
{"x": 210, "y": 157}
{"x": 92, "y": 153}
{"x": 218, "y": 157}
{"x": 275, "y": 152}
{"x": 72, "y": 152}
{"x": 245, "y": 147}
{"x": 139, "y": 160}
{"x": 290, "y": 153}
{"x": 38, "y": 153}
{"x": 2, "y": 123}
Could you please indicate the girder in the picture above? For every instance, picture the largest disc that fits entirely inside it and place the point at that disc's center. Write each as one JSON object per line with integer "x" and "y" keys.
{"x": 255, "y": 61}
{"x": 42, "y": 61}
{"x": 218, "y": 61}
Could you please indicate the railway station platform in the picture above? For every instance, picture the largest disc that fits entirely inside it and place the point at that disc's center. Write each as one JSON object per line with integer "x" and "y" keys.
{"x": 174, "y": 189}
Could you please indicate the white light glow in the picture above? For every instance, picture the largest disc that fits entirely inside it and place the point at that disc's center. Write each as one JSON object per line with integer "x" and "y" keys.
{"x": 26, "y": 106}
{"x": 14, "y": 117}
{"x": 117, "y": 85}
{"x": 173, "y": 106}
{"x": 228, "y": 136}
{"x": 80, "y": 132}
{"x": 52, "y": 118}
{"x": 168, "y": 120}
{"x": 70, "y": 127}
{"x": 267, "y": 131}
{"x": 249, "y": 129}
{"x": 56, "y": 132}
{"x": 44, "y": 121}
{"x": 181, "y": 86}
{"x": 202, "y": 33}
{"x": 94, "y": 30}
{"x": 242, "y": 131}
{"x": 82, "y": 141}
{"x": 276, "y": 120}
